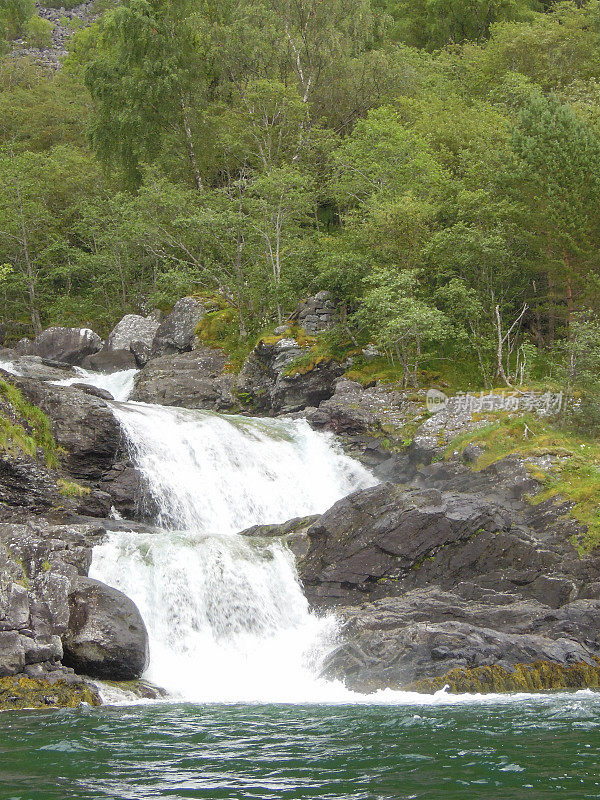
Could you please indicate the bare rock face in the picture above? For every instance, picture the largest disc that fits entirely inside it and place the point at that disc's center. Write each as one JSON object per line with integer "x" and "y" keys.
{"x": 178, "y": 331}
{"x": 191, "y": 380}
{"x": 69, "y": 345}
{"x": 106, "y": 637}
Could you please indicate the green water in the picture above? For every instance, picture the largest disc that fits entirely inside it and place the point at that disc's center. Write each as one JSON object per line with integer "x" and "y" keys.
{"x": 532, "y": 749}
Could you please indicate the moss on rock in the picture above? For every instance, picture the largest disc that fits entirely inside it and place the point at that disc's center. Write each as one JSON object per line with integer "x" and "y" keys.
{"x": 535, "y": 677}
{"x": 20, "y": 692}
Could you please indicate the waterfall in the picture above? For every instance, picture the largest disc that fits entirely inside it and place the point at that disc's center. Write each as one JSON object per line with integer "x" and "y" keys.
{"x": 119, "y": 384}
{"x": 226, "y": 615}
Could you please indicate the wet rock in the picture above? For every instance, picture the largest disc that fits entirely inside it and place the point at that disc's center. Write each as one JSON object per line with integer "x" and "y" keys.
{"x": 128, "y": 492}
{"x": 41, "y": 368}
{"x": 70, "y": 345}
{"x": 109, "y": 361}
{"x": 106, "y": 637}
{"x": 293, "y": 533}
{"x": 26, "y": 485}
{"x": 191, "y": 380}
{"x": 177, "y": 333}
{"x": 82, "y": 424}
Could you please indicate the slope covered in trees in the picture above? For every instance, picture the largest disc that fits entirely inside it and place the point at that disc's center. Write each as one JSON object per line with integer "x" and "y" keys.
{"x": 434, "y": 164}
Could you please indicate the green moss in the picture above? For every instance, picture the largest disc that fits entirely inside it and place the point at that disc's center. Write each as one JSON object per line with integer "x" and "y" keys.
{"x": 24, "y": 427}
{"x": 21, "y": 692}
{"x": 535, "y": 677}
{"x": 46, "y": 566}
{"x": 72, "y": 489}
{"x": 574, "y": 476}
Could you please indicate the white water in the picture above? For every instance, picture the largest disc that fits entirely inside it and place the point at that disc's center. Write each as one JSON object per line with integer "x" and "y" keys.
{"x": 119, "y": 384}
{"x": 226, "y": 615}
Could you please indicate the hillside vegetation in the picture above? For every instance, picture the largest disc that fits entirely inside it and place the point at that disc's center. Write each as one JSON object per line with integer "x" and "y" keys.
{"x": 435, "y": 165}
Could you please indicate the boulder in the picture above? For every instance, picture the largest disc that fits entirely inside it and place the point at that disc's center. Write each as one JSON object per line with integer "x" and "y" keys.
{"x": 268, "y": 382}
{"x": 41, "y": 368}
{"x": 177, "y": 333}
{"x": 70, "y": 345}
{"x": 292, "y": 533}
{"x": 197, "y": 379}
{"x": 106, "y": 637}
{"x": 82, "y": 424}
{"x": 132, "y": 328}
{"x": 109, "y": 361}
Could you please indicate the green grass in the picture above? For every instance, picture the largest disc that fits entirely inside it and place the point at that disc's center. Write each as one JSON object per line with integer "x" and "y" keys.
{"x": 72, "y": 489}
{"x": 574, "y": 476}
{"x": 24, "y": 427}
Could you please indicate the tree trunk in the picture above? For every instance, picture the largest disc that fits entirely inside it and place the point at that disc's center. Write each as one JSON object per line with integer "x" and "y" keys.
{"x": 190, "y": 147}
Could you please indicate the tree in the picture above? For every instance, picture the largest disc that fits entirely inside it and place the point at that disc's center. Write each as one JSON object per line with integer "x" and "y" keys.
{"x": 144, "y": 72}
{"x": 402, "y": 321}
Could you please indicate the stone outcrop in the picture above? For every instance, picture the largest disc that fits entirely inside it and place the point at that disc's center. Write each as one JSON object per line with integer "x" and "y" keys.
{"x": 106, "y": 636}
{"x": 316, "y": 314}
{"x": 270, "y": 383}
{"x": 432, "y": 582}
{"x": 37, "y": 367}
{"x": 198, "y": 379}
{"x": 177, "y": 333}
{"x": 127, "y": 346}
{"x": 69, "y": 345}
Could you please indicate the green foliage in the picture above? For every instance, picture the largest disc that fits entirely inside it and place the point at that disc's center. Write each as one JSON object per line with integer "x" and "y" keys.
{"x": 38, "y": 32}
{"x": 72, "y": 489}
{"x": 24, "y": 427}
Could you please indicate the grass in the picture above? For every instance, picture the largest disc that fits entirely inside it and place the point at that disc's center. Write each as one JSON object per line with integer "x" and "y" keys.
{"x": 574, "y": 476}
{"x": 72, "y": 489}
{"x": 24, "y": 427}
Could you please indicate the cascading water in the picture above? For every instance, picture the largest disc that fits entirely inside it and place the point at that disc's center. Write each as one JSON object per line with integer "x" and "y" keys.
{"x": 226, "y": 615}
{"x": 119, "y": 384}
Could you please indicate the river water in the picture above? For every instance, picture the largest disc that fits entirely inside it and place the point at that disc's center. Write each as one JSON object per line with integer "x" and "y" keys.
{"x": 238, "y": 650}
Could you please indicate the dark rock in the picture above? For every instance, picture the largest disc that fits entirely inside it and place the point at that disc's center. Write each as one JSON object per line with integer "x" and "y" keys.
{"x": 26, "y": 485}
{"x": 128, "y": 492}
{"x": 109, "y": 361}
{"x": 82, "y": 424}
{"x": 269, "y": 384}
{"x": 141, "y": 352}
{"x": 94, "y": 391}
{"x": 70, "y": 345}
{"x": 178, "y": 331}
{"x": 192, "y": 380}
{"x": 376, "y": 537}
{"x": 106, "y": 637}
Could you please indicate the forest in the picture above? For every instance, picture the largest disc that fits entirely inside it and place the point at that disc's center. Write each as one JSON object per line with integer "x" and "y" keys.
{"x": 434, "y": 164}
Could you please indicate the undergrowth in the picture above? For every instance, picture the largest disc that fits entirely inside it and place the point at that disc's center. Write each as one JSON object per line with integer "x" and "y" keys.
{"x": 24, "y": 427}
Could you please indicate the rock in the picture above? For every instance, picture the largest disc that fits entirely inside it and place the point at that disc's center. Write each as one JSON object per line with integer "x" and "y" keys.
{"x": 109, "y": 361}
{"x": 192, "y": 380}
{"x": 57, "y": 688}
{"x": 379, "y": 410}
{"x": 293, "y": 533}
{"x": 132, "y": 328}
{"x": 106, "y": 637}
{"x": 41, "y": 368}
{"x": 82, "y": 424}
{"x": 316, "y": 314}
{"x": 141, "y": 352}
{"x": 367, "y": 543}
{"x": 397, "y": 642}
{"x": 269, "y": 384}
{"x": 26, "y": 485}
{"x": 70, "y": 345}
{"x": 178, "y": 331}
{"x": 128, "y": 492}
